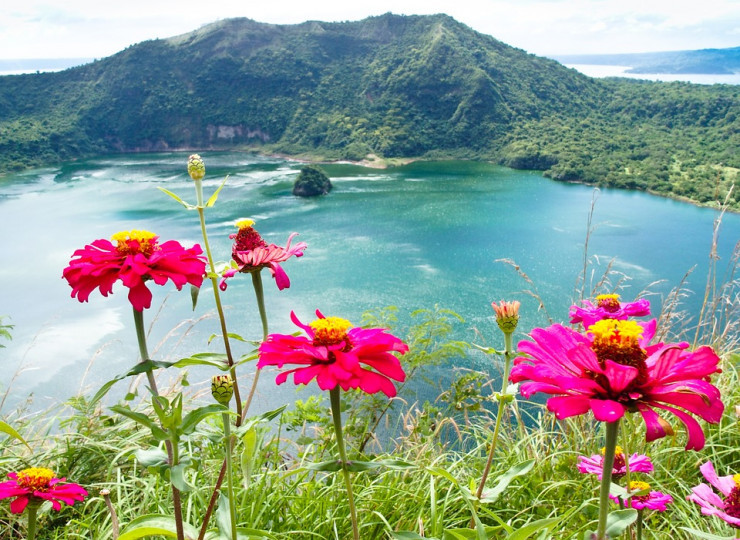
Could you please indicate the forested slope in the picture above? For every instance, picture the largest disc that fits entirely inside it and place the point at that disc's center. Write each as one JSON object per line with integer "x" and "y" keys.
{"x": 393, "y": 86}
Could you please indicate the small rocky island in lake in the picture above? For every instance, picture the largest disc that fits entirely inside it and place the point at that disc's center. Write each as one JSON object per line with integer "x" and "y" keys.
{"x": 311, "y": 181}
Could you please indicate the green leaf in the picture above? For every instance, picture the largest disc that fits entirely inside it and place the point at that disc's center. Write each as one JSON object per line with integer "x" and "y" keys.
{"x": 706, "y": 536}
{"x": 178, "y": 199}
{"x": 408, "y": 535}
{"x": 142, "y": 419}
{"x": 333, "y": 465}
{"x": 223, "y": 516}
{"x": 7, "y": 429}
{"x": 154, "y": 457}
{"x": 141, "y": 367}
{"x": 254, "y": 420}
{"x": 177, "y": 477}
{"x": 479, "y": 533}
{"x": 194, "y": 417}
{"x": 212, "y": 199}
{"x": 217, "y": 360}
{"x": 249, "y": 441}
{"x": 490, "y": 495}
{"x": 155, "y": 524}
{"x": 534, "y": 527}
{"x": 618, "y": 521}
{"x": 194, "y": 292}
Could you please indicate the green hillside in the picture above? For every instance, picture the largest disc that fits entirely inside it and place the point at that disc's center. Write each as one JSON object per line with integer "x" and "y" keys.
{"x": 392, "y": 86}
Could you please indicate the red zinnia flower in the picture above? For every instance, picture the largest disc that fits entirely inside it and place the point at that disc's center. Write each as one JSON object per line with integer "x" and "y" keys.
{"x": 653, "y": 500}
{"x": 251, "y": 254}
{"x": 613, "y": 370}
{"x": 595, "y": 464}
{"x": 136, "y": 257}
{"x": 39, "y": 484}
{"x": 727, "y": 508}
{"x": 608, "y": 307}
{"x": 333, "y": 353}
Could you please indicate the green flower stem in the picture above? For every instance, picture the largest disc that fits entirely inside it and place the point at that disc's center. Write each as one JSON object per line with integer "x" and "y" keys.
{"x": 143, "y": 352}
{"x": 219, "y": 307}
{"x": 639, "y": 524}
{"x": 32, "y": 509}
{"x": 229, "y": 475}
{"x": 171, "y": 451}
{"x": 337, "y": 417}
{"x": 259, "y": 293}
{"x": 500, "y": 413}
{"x": 610, "y": 445}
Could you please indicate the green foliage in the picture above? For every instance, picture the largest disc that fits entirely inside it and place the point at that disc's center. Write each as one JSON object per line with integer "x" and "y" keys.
{"x": 5, "y": 330}
{"x": 311, "y": 181}
{"x": 392, "y": 86}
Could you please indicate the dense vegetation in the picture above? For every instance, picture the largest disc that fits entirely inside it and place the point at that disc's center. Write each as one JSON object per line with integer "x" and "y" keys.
{"x": 389, "y": 86}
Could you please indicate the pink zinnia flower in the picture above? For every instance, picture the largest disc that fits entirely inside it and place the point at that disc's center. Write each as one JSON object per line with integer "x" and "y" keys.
{"x": 136, "y": 257}
{"x": 607, "y": 307}
{"x": 727, "y": 507}
{"x": 39, "y": 484}
{"x": 251, "y": 254}
{"x": 333, "y": 354}
{"x": 653, "y": 500}
{"x": 613, "y": 370}
{"x": 595, "y": 464}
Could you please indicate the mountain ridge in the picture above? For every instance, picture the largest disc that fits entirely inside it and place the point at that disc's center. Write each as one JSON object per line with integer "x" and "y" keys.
{"x": 420, "y": 86}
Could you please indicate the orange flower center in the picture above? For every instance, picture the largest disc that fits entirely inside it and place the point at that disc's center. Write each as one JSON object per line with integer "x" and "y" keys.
{"x": 135, "y": 241}
{"x": 618, "y": 341}
{"x": 247, "y": 238}
{"x": 619, "y": 462}
{"x": 330, "y": 330}
{"x": 35, "y": 478}
{"x": 608, "y": 302}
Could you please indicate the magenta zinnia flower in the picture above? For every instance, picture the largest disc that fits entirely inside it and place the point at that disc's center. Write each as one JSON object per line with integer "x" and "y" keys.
{"x": 251, "y": 254}
{"x": 136, "y": 257}
{"x": 38, "y": 483}
{"x": 333, "y": 354}
{"x": 595, "y": 464}
{"x": 726, "y": 507}
{"x": 653, "y": 500}
{"x": 613, "y": 370}
{"x": 607, "y": 307}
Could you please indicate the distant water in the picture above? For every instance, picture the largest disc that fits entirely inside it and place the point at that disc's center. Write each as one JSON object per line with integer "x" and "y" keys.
{"x": 416, "y": 236}
{"x": 599, "y": 71}
{"x": 34, "y": 65}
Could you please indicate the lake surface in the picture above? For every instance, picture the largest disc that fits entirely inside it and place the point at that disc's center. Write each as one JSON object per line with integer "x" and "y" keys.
{"x": 416, "y": 236}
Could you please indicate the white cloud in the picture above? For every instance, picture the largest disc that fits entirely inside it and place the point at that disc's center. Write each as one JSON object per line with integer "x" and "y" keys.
{"x": 84, "y": 28}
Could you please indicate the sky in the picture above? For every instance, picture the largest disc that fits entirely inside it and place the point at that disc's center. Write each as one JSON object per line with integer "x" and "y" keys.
{"x": 96, "y": 29}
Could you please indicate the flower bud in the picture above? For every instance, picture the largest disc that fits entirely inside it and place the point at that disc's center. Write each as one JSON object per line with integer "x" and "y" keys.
{"x": 507, "y": 315}
{"x": 196, "y": 167}
{"x": 222, "y": 388}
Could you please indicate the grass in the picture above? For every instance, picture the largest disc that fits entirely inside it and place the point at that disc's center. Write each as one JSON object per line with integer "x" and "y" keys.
{"x": 432, "y": 454}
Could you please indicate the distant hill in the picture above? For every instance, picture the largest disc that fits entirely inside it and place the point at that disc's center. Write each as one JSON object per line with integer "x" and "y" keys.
{"x": 392, "y": 86}
{"x": 704, "y": 61}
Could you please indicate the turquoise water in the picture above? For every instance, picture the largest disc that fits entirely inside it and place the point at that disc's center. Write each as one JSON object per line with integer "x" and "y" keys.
{"x": 416, "y": 236}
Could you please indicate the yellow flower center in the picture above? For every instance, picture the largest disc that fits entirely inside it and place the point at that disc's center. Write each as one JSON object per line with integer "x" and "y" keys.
{"x": 244, "y": 223}
{"x": 618, "y": 341}
{"x": 617, "y": 450}
{"x": 36, "y": 478}
{"x": 610, "y": 302}
{"x": 637, "y": 485}
{"x": 330, "y": 330}
{"x": 135, "y": 241}
{"x": 736, "y": 478}
{"x": 622, "y": 333}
